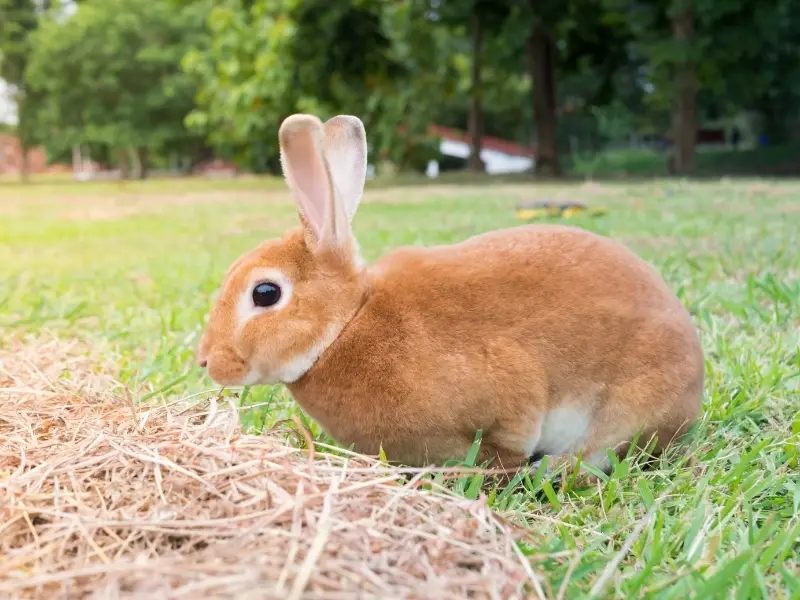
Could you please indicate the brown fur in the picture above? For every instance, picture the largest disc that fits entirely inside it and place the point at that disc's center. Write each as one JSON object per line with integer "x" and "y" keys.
{"x": 490, "y": 334}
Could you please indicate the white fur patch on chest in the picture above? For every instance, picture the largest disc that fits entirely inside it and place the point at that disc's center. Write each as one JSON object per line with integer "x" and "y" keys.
{"x": 563, "y": 429}
{"x": 297, "y": 366}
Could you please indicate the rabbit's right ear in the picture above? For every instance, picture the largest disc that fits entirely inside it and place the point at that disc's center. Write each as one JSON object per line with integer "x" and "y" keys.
{"x": 306, "y": 172}
{"x": 345, "y": 151}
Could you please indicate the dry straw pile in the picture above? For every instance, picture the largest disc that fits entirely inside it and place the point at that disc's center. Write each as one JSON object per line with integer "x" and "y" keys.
{"x": 101, "y": 500}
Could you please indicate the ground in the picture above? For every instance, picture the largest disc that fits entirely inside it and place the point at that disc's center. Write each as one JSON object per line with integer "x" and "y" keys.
{"x": 130, "y": 270}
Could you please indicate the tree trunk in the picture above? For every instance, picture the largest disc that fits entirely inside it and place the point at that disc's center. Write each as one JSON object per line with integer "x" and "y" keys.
{"x": 476, "y": 98}
{"x": 541, "y": 59}
{"x": 23, "y": 135}
{"x": 124, "y": 165}
{"x": 142, "y": 158}
{"x": 684, "y": 113}
{"x": 136, "y": 165}
{"x": 77, "y": 162}
{"x": 24, "y": 167}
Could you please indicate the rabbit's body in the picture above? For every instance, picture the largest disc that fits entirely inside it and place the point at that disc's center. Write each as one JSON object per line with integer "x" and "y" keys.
{"x": 549, "y": 339}
{"x": 594, "y": 349}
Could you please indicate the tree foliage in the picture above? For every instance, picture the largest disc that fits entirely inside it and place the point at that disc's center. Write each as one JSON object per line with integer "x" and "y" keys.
{"x": 19, "y": 20}
{"x": 267, "y": 58}
{"x": 124, "y": 74}
{"x": 110, "y": 74}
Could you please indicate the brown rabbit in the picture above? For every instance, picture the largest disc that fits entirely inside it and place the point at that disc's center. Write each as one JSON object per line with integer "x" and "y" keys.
{"x": 549, "y": 339}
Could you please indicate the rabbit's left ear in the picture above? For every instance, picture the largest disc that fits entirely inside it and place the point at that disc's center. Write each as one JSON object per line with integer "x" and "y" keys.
{"x": 344, "y": 148}
{"x": 325, "y": 166}
{"x": 306, "y": 172}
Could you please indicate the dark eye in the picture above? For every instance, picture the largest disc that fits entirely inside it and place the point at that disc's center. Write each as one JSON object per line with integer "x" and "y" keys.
{"x": 266, "y": 294}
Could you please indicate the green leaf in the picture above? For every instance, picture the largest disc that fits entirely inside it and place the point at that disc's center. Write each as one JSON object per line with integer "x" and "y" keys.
{"x": 691, "y": 550}
{"x": 245, "y": 394}
{"x": 474, "y": 486}
{"x": 746, "y": 583}
{"x": 533, "y": 485}
{"x": 745, "y": 462}
{"x": 164, "y": 388}
{"x": 796, "y": 497}
{"x": 646, "y": 493}
{"x": 512, "y": 485}
{"x": 781, "y": 546}
{"x": 472, "y": 453}
{"x": 722, "y": 577}
{"x": 551, "y": 495}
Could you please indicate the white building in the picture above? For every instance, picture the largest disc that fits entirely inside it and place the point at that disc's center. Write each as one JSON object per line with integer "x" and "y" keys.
{"x": 499, "y": 156}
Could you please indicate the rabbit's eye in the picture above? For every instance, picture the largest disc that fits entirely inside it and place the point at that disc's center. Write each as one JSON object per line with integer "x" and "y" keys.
{"x": 266, "y": 294}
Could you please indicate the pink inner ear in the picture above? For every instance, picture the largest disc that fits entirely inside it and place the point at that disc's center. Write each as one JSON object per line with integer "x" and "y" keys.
{"x": 308, "y": 178}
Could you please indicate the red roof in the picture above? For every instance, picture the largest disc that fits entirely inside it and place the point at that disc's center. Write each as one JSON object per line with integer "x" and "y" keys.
{"x": 487, "y": 141}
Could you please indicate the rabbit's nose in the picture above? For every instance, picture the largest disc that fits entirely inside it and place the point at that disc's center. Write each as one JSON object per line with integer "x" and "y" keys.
{"x": 202, "y": 361}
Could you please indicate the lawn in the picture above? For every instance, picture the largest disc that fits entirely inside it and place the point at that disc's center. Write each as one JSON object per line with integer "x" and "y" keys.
{"x": 132, "y": 270}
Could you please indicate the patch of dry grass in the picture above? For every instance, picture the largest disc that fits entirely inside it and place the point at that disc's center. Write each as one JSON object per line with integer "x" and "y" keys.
{"x": 102, "y": 499}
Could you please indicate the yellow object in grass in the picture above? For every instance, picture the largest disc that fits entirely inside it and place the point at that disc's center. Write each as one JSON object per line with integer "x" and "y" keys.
{"x": 546, "y": 210}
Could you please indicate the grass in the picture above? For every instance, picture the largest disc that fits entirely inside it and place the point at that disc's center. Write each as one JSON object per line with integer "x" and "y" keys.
{"x": 133, "y": 270}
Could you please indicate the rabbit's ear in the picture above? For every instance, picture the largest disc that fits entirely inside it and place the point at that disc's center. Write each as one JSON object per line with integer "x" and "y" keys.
{"x": 345, "y": 151}
{"x": 301, "y": 141}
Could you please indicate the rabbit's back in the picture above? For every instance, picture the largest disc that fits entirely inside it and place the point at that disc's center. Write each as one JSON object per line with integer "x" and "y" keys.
{"x": 559, "y": 289}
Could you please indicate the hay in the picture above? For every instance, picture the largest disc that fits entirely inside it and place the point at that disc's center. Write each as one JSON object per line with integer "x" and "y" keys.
{"x": 97, "y": 503}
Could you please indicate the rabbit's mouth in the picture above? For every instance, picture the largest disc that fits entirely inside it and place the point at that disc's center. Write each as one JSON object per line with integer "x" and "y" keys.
{"x": 226, "y": 367}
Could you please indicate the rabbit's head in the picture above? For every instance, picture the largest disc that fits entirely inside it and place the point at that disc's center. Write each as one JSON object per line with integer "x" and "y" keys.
{"x": 282, "y": 304}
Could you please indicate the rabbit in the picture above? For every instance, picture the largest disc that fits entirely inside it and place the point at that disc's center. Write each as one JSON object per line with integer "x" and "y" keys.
{"x": 550, "y": 339}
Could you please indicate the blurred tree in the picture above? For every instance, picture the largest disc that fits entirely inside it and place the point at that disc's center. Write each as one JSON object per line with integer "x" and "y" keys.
{"x": 482, "y": 19}
{"x": 110, "y": 74}
{"x": 751, "y": 60}
{"x": 519, "y": 69}
{"x": 267, "y": 59}
{"x": 591, "y": 63}
{"x": 18, "y": 21}
{"x": 593, "y": 68}
{"x": 573, "y": 43}
{"x": 665, "y": 35}
{"x": 401, "y": 66}
{"x": 542, "y": 54}
{"x": 682, "y": 14}
{"x": 578, "y": 46}
{"x": 732, "y": 55}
